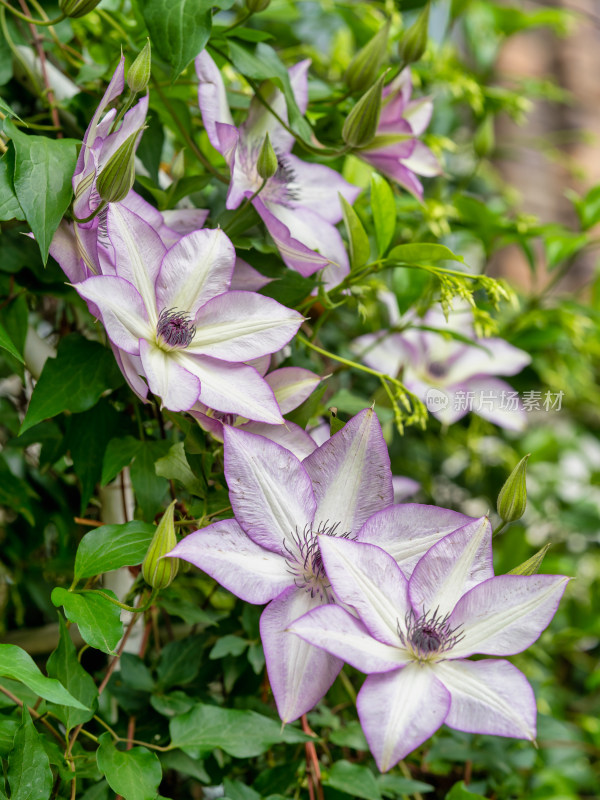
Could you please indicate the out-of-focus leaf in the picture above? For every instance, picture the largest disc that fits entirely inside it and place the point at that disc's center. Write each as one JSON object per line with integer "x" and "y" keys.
{"x": 73, "y": 381}
{"x": 119, "y": 454}
{"x": 179, "y": 662}
{"x": 353, "y": 779}
{"x": 228, "y": 645}
{"x": 42, "y": 180}
{"x": 357, "y": 236}
{"x": 425, "y": 253}
{"x": 384, "y": 212}
{"x": 395, "y": 786}
{"x": 460, "y": 792}
{"x": 98, "y": 620}
{"x": 7, "y": 344}
{"x": 149, "y": 487}
{"x": 175, "y": 466}
{"x": 179, "y": 29}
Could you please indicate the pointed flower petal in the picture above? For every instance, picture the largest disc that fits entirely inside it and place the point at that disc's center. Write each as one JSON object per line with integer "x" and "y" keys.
{"x": 292, "y": 386}
{"x": 369, "y": 580}
{"x": 451, "y": 567}
{"x": 351, "y": 473}
{"x": 299, "y": 673}
{"x": 291, "y": 436}
{"x": 344, "y": 636}
{"x": 399, "y": 710}
{"x": 270, "y": 492}
{"x": 177, "y": 388}
{"x": 407, "y": 531}
{"x": 229, "y": 556}
{"x": 488, "y": 696}
{"x": 212, "y": 97}
{"x": 506, "y": 614}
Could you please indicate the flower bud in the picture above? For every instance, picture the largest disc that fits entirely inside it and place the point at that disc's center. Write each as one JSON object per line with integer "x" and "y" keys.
{"x": 158, "y": 572}
{"x": 77, "y": 8}
{"x": 267, "y": 163}
{"x": 117, "y": 177}
{"x": 512, "y": 499}
{"x": 256, "y": 6}
{"x": 138, "y": 74}
{"x": 413, "y": 43}
{"x": 365, "y": 65}
{"x": 361, "y": 123}
{"x": 484, "y": 140}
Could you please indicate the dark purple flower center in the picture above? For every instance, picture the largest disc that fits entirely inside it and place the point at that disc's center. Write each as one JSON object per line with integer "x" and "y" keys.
{"x": 437, "y": 369}
{"x": 175, "y": 328}
{"x": 305, "y": 561}
{"x": 428, "y": 635}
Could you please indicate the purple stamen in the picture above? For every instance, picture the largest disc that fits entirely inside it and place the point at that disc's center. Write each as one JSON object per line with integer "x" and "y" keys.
{"x": 306, "y": 562}
{"x": 428, "y": 635}
{"x": 175, "y": 328}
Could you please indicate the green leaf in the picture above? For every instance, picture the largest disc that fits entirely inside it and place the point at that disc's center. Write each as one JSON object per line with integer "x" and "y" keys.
{"x": 42, "y": 180}
{"x": 354, "y": 779}
{"x": 229, "y": 645}
{"x": 29, "y": 773}
{"x": 73, "y": 381}
{"x": 135, "y": 673}
{"x": 134, "y": 774}
{"x": 18, "y": 665}
{"x": 360, "y": 248}
{"x": 175, "y": 466}
{"x": 179, "y": 29}
{"x": 588, "y": 208}
{"x": 236, "y": 790}
{"x": 98, "y": 620}
{"x": 179, "y": 662}
{"x": 64, "y": 665}
{"x": 395, "y": 786}
{"x": 263, "y": 64}
{"x": 242, "y": 734}
{"x": 112, "y": 547}
{"x": 8, "y": 111}
{"x": 119, "y": 454}
{"x": 460, "y": 792}
{"x": 150, "y": 489}
{"x": 351, "y": 735}
{"x": 532, "y": 565}
{"x": 7, "y": 344}
{"x": 384, "y": 212}
{"x": 425, "y": 253}
{"x": 15, "y": 493}
{"x": 9, "y": 205}
{"x": 8, "y": 729}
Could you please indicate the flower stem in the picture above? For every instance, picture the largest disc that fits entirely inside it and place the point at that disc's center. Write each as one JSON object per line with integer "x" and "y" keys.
{"x": 94, "y": 213}
{"x": 124, "y": 606}
{"x": 43, "y": 22}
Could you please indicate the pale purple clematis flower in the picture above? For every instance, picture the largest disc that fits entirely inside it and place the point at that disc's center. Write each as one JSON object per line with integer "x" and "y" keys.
{"x": 270, "y": 552}
{"x": 396, "y": 150}
{"x": 412, "y": 638}
{"x": 291, "y": 387}
{"x": 450, "y": 375}
{"x": 172, "y": 320}
{"x": 299, "y": 204}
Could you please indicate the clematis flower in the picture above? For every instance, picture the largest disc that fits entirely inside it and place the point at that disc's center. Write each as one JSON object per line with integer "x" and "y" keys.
{"x": 291, "y": 387}
{"x": 396, "y": 150}
{"x": 412, "y": 637}
{"x": 450, "y": 375}
{"x": 173, "y": 322}
{"x": 270, "y": 552}
{"x": 299, "y": 204}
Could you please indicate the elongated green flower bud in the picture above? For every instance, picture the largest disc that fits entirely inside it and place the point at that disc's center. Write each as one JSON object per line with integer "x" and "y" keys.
{"x": 413, "y": 43}
{"x": 117, "y": 177}
{"x": 77, "y": 8}
{"x": 158, "y": 572}
{"x": 365, "y": 65}
{"x": 267, "y": 163}
{"x": 138, "y": 75}
{"x": 484, "y": 140}
{"x": 361, "y": 123}
{"x": 256, "y": 6}
{"x": 512, "y": 499}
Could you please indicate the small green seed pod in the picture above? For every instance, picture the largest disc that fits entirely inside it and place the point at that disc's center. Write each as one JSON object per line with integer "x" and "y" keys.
{"x": 413, "y": 43}
{"x": 365, "y": 65}
{"x": 267, "y": 163}
{"x": 138, "y": 75}
{"x": 117, "y": 177}
{"x": 77, "y": 8}
{"x": 159, "y": 572}
{"x": 361, "y": 123}
{"x": 512, "y": 499}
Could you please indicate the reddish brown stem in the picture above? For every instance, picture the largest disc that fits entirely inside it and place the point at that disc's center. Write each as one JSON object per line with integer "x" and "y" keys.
{"x": 33, "y": 713}
{"x": 92, "y": 523}
{"x": 313, "y": 770}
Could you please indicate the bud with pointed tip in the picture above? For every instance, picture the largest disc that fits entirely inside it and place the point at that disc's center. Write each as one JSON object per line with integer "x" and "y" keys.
{"x": 138, "y": 74}
{"x": 256, "y": 6}
{"x": 361, "y": 123}
{"x": 365, "y": 65}
{"x": 117, "y": 177}
{"x": 267, "y": 163}
{"x": 77, "y": 8}
{"x": 159, "y": 572}
{"x": 413, "y": 43}
{"x": 512, "y": 499}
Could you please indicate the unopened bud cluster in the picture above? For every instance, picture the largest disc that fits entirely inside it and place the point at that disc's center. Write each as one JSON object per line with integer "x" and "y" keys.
{"x": 159, "y": 572}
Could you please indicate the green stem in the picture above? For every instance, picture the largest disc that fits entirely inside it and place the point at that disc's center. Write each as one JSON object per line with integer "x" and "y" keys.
{"x": 186, "y": 136}
{"x": 245, "y": 205}
{"x": 238, "y": 22}
{"x": 95, "y": 213}
{"x": 345, "y": 361}
{"x": 500, "y": 528}
{"x": 126, "y": 106}
{"x": 124, "y": 606}
{"x": 32, "y": 21}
